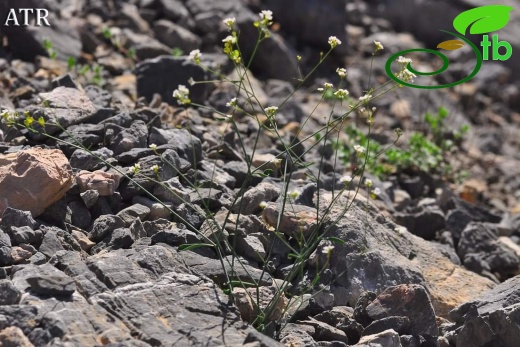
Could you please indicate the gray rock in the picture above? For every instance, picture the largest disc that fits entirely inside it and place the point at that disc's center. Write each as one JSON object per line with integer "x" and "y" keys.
{"x": 129, "y": 214}
{"x": 172, "y": 191}
{"x": 89, "y": 197}
{"x": 9, "y": 294}
{"x": 104, "y": 225}
{"x": 181, "y": 141}
{"x": 17, "y": 218}
{"x": 276, "y": 59}
{"x": 151, "y": 49}
{"x": 52, "y": 285}
{"x": 130, "y": 138}
{"x": 175, "y": 237}
{"x": 164, "y": 74}
{"x": 411, "y": 301}
{"x": 400, "y": 324}
{"x": 119, "y": 238}
{"x": 67, "y": 106}
{"x": 174, "y": 9}
{"x": 173, "y": 35}
{"x": 64, "y": 81}
{"x": 298, "y": 335}
{"x": 387, "y": 338}
{"x": 249, "y": 203}
{"x": 328, "y": 18}
{"x": 80, "y": 217}
{"x": 456, "y": 221}
{"x": 25, "y": 234}
{"x": 423, "y": 221}
{"x": 325, "y": 332}
{"x": 478, "y": 239}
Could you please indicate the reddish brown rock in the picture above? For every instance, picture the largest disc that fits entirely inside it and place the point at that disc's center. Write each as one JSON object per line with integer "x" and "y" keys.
{"x": 105, "y": 183}
{"x": 33, "y": 179}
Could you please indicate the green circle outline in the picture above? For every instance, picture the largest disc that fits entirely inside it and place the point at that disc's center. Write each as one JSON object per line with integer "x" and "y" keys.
{"x": 445, "y": 65}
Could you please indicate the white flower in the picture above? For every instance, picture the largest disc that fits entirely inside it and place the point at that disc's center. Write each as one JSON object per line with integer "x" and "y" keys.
{"x": 320, "y": 89}
{"x": 346, "y": 179}
{"x": 342, "y": 72}
{"x": 155, "y": 169}
{"x": 327, "y": 250}
{"x": 327, "y": 85}
{"x": 341, "y": 93}
{"x": 334, "y": 41}
{"x": 182, "y": 94}
{"x": 232, "y": 103}
{"x": 379, "y": 46}
{"x": 230, "y": 22}
{"x": 405, "y": 75}
{"x": 262, "y": 205}
{"x": 403, "y": 62}
{"x": 359, "y": 149}
{"x": 365, "y": 98}
{"x": 230, "y": 39}
{"x": 400, "y": 230}
{"x": 135, "y": 169}
{"x": 271, "y": 110}
{"x": 195, "y": 55}
{"x": 376, "y": 191}
{"x": 368, "y": 183}
{"x": 266, "y": 15}
{"x": 153, "y": 146}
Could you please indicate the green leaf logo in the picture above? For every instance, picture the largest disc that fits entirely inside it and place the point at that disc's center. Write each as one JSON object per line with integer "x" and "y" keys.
{"x": 482, "y": 20}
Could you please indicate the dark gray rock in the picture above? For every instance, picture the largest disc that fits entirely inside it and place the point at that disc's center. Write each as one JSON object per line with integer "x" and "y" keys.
{"x": 26, "y": 235}
{"x": 325, "y": 332}
{"x": 479, "y": 239}
{"x": 172, "y": 191}
{"x": 64, "y": 81}
{"x": 89, "y": 197}
{"x": 130, "y": 138}
{"x": 423, "y": 221}
{"x": 410, "y": 301}
{"x": 129, "y": 214}
{"x": 456, "y": 221}
{"x": 52, "y": 285}
{"x": 173, "y": 35}
{"x": 400, "y": 324}
{"x": 249, "y": 203}
{"x": 17, "y": 218}
{"x": 5, "y": 249}
{"x": 181, "y": 141}
{"x": 284, "y": 67}
{"x": 80, "y": 217}
{"x": 117, "y": 239}
{"x": 175, "y": 237}
{"x": 162, "y": 75}
{"x": 104, "y": 225}
{"x": 9, "y": 294}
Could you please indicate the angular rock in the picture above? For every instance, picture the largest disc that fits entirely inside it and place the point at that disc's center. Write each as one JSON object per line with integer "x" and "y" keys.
{"x": 129, "y": 214}
{"x": 181, "y": 141}
{"x": 133, "y": 137}
{"x": 410, "y": 301}
{"x": 249, "y": 202}
{"x": 173, "y": 35}
{"x": 9, "y": 294}
{"x": 105, "y": 183}
{"x": 52, "y": 285}
{"x": 14, "y": 337}
{"x": 387, "y": 338}
{"x": 422, "y": 221}
{"x": 478, "y": 239}
{"x": 104, "y": 225}
{"x": 33, "y": 179}
{"x": 295, "y": 220}
{"x": 162, "y": 75}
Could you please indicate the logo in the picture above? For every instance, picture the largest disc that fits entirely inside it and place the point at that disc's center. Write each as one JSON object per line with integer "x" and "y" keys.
{"x": 480, "y": 21}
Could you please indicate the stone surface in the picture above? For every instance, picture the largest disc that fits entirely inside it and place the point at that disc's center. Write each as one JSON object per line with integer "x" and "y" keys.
{"x": 33, "y": 179}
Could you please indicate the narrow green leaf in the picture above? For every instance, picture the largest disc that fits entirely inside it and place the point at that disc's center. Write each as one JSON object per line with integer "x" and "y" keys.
{"x": 192, "y": 246}
{"x": 483, "y": 19}
{"x": 336, "y": 240}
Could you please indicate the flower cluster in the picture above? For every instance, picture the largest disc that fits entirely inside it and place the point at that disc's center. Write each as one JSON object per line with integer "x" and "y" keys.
{"x": 327, "y": 250}
{"x": 230, "y": 23}
{"x": 229, "y": 48}
{"x": 8, "y": 117}
{"x": 195, "y": 56}
{"x": 342, "y": 72}
{"x": 341, "y": 93}
{"x": 135, "y": 169}
{"x": 334, "y": 42}
{"x": 182, "y": 94}
{"x": 379, "y": 46}
{"x": 271, "y": 111}
{"x": 406, "y": 75}
{"x": 326, "y": 86}
{"x": 266, "y": 20}
{"x": 232, "y": 103}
